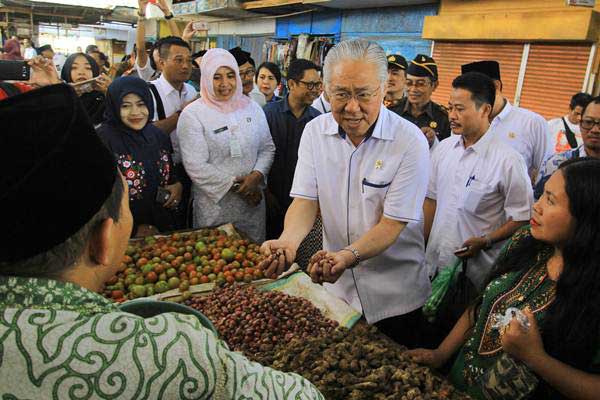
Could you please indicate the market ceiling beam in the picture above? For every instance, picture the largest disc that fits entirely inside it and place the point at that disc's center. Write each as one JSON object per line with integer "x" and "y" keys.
{"x": 24, "y": 10}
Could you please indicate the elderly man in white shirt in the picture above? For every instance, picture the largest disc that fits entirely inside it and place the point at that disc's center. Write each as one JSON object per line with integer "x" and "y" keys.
{"x": 523, "y": 130}
{"x": 366, "y": 169}
{"x": 479, "y": 191}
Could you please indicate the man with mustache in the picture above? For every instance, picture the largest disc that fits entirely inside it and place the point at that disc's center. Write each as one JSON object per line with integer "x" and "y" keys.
{"x": 479, "y": 192}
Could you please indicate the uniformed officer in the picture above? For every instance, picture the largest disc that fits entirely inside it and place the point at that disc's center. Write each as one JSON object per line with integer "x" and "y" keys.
{"x": 417, "y": 107}
{"x": 396, "y": 80}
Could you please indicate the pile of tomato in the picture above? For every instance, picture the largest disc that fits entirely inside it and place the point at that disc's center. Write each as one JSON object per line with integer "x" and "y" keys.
{"x": 158, "y": 264}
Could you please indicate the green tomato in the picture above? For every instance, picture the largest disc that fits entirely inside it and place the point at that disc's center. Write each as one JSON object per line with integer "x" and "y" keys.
{"x": 200, "y": 246}
{"x": 212, "y": 277}
{"x": 173, "y": 282}
{"x": 138, "y": 291}
{"x": 171, "y": 272}
{"x": 161, "y": 287}
{"x": 147, "y": 268}
{"x": 227, "y": 255}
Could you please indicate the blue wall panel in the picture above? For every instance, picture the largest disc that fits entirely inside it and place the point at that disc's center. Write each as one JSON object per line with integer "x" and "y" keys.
{"x": 321, "y": 23}
{"x": 397, "y": 29}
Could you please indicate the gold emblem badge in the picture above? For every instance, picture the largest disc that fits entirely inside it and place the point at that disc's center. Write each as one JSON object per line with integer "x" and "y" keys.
{"x": 433, "y": 124}
{"x": 392, "y": 59}
{"x": 512, "y": 135}
{"x": 378, "y": 164}
{"x": 422, "y": 59}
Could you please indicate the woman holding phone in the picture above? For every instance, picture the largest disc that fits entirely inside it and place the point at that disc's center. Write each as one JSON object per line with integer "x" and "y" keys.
{"x": 83, "y": 73}
{"x": 143, "y": 154}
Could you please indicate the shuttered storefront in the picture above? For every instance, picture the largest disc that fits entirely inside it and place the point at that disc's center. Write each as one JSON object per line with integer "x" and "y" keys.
{"x": 451, "y": 55}
{"x": 554, "y": 73}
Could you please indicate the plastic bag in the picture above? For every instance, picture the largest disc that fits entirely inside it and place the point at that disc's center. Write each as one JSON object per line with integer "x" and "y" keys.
{"x": 439, "y": 287}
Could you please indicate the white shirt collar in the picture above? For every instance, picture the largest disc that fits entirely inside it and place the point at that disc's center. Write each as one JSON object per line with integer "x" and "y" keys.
{"x": 505, "y": 111}
{"x": 378, "y": 131}
{"x": 167, "y": 88}
{"x": 481, "y": 145}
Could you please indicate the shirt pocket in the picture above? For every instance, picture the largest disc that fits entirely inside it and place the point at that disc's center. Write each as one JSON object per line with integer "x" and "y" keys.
{"x": 477, "y": 197}
{"x": 372, "y": 185}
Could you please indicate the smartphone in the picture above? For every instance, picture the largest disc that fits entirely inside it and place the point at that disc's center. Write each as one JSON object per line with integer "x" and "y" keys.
{"x": 14, "y": 70}
{"x": 162, "y": 195}
{"x": 199, "y": 26}
{"x": 84, "y": 86}
{"x": 461, "y": 250}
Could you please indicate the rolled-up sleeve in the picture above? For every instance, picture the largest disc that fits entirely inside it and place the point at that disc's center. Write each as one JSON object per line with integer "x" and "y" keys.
{"x": 305, "y": 176}
{"x": 404, "y": 200}
{"x": 212, "y": 180}
{"x": 518, "y": 193}
{"x": 266, "y": 150}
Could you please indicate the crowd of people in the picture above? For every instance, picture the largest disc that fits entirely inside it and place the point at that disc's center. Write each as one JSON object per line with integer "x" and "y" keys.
{"x": 393, "y": 187}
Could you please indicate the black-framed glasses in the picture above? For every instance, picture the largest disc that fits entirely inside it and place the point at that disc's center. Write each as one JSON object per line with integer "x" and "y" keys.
{"x": 247, "y": 73}
{"x": 421, "y": 83}
{"x": 589, "y": 123}
{"x": 312, "y": 85}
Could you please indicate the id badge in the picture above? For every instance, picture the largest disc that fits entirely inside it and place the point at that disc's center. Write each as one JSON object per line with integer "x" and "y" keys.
{"x": 235, "y": 147}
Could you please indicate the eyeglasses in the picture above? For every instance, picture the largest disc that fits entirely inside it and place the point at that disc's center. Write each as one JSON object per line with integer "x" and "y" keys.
{"x": 247, "y": 73}
{"x": 312, "y": 85}
{"x": 418, "y": 84}
{"x": 363, "y": 97}
{"x": 589, "y": 123}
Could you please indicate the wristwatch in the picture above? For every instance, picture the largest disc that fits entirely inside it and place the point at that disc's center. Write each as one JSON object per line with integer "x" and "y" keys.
{"x": 356, "y": 256}
{"x": 167, "y": 17}
{"x": 488, "y": 242}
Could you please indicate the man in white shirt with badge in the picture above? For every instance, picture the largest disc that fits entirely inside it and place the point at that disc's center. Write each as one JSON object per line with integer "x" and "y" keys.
{"x": 523, "y": 130}
{"x": 479, "y": 191}
{"x": 366, "y": 170}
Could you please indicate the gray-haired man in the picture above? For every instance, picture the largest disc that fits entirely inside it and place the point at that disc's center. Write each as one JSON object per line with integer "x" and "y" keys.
{"x": 366, "y": 169}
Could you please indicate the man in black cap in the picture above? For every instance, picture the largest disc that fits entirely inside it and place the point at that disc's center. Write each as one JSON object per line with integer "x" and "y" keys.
{"x": 247, "y": 68}
{"x": 417, "y": 107}
{"x": 396, "y": 80}
{"x": 66, "y": 224}
{"x": 523, "y": 130}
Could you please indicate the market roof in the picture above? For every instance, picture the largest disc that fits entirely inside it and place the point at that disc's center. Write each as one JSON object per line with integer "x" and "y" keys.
{"x": 72, "y": 11}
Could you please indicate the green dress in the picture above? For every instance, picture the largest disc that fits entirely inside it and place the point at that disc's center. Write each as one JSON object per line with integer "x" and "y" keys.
{"x": 525, "y": 288}
{"x": 60, "y": 341}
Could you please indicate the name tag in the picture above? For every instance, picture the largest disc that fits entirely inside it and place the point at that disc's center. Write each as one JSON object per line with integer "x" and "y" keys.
{"x": 223, "y": 129}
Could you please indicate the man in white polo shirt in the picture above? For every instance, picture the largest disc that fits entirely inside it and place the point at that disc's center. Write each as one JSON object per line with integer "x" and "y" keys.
{"x": 523, "y": 130}
{"x": 479, "y": 191}
{"x": 366, "y": 169}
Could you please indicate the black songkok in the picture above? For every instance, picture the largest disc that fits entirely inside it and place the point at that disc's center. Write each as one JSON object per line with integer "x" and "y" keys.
{"x": 56, "y": 172}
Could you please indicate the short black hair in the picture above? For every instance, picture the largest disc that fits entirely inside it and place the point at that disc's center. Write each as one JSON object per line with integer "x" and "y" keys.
{"x": 273, "y": 68}
{"x": 580, "y": 100}
{"x": 164, "y": 47}
{"x": 53, "y": 263}
{"x": 593, "y": 100}
{"x": 297, "y": 68}
{"x": 481, "y": 87}
{"x": 91, "y": 48}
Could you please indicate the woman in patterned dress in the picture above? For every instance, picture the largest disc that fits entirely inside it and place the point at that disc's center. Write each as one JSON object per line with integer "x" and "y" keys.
{"x": 550, "y": 271}
{"x": 227, "y": 149}
{"x": 143, "y": 153}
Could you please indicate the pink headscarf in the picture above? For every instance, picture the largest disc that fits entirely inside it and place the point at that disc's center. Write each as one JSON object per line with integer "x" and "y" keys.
{"x": 12, "y": 50}
{"x": 211, "y": 62}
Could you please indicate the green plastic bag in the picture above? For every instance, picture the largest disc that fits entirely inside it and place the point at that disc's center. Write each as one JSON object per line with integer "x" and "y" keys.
{"x": 439, "y": 287}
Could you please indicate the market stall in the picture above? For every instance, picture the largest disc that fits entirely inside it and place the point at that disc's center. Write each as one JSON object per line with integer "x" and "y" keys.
{"x": 289, "y": 323}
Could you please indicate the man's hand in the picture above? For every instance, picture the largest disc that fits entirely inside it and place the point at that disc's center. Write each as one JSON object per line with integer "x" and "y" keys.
{"x": 142, "y": 4}
{"x": 523, "y": 344}
{"x": 475, "y": 245}
{"x": 176, "y": 191}
{"x": 146, "y": 230}
{"x": 328, "y": 267}
{"x": 164, "y": 6}
{"x": 189, "y": 31}
{"x": 280, "y": 256}
{"x": 429, "y": 134}
{"x": 102, "y": 83}
{"x": 250, "y": 183}
{"x": 43, "y": 72}
{"x": 432, "y": 358}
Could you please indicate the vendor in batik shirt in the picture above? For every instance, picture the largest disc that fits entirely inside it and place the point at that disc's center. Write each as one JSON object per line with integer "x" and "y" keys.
{"x": 65, "y": 227}
{"x": 548, "y": 348}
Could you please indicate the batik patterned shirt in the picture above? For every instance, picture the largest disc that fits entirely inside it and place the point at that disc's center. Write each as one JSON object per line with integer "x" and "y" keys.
{"x": 60, "y": 341}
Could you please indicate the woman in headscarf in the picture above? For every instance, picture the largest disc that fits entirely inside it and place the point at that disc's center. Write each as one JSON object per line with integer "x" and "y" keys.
{"x": 143, "y": 154}
{"x": 80, "y": 68}
{"x": 226, "y": 149}
{"x": 12, "y": 50}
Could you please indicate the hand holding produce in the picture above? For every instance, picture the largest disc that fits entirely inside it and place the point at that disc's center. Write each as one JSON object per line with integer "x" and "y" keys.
{"x": 250, "y": 183}
{"x": 432, "y": 358}
{"x": 328, "y": 267}
{"x": 279, "y": 257}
